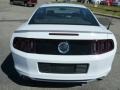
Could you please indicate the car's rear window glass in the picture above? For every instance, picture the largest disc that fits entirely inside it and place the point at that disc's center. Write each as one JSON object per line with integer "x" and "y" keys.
{"x": 63, "y": 15}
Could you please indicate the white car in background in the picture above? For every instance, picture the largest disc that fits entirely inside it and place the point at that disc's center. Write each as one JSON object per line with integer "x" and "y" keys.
{"x": 63, "y": 43}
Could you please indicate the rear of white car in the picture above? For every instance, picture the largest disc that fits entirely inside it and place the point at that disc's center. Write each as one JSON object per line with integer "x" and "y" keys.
{"x": 61, "y": 50}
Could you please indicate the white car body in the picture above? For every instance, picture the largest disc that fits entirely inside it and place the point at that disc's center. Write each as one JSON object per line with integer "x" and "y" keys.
{"x": 27, "y": 63}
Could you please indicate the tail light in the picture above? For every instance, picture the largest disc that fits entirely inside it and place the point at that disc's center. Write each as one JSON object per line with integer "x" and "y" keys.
{"x": 91, "y": 47}
{"x": 24, "y": 44}
{"x": 102, "y": 46}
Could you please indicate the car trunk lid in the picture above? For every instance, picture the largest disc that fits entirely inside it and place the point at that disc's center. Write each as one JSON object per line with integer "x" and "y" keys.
{"x": 63, "y": 32}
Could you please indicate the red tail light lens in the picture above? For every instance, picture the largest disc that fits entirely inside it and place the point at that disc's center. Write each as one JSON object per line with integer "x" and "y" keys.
{"x": 26, "y": 45}
{"x": 77, "y": 47}
{"x": 102, "y": 46}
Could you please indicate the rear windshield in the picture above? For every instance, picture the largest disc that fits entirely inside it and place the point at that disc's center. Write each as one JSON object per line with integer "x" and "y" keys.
{"x": 63, "y": 15}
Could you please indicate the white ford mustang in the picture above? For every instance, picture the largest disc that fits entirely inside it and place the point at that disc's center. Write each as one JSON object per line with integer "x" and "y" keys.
{"x": 63, "y": 43}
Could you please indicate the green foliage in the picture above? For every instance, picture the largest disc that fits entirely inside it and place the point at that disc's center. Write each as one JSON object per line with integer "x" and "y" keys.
{"x": 103, "y": 9}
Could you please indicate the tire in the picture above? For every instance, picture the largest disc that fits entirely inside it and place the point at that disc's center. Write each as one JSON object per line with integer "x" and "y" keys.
{"x": 33, "y": 5}
{"x": 11, "y": 2}
{"x": 25, "y": 4}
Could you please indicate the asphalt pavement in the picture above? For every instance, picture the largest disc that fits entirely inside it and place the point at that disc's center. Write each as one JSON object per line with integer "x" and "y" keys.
{"x": 11, "y": 17}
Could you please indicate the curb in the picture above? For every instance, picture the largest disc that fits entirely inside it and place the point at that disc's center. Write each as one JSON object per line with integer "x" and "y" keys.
{"x": 13, "y": 20}
{"x": 107, "y": 15}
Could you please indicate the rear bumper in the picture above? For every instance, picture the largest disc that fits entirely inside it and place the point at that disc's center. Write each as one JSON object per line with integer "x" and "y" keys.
{"x": 64, "y": 81}
{"x": 61, "y": 81}
{"x": 27, "y": 64}
{"x": 68, "y": 81}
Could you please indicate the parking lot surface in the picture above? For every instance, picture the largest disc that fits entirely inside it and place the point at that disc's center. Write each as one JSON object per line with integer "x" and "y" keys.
{"x": 11, "y": 17}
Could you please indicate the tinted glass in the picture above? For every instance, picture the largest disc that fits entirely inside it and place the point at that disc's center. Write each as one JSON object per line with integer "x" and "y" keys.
{"x": 63, "y": 15}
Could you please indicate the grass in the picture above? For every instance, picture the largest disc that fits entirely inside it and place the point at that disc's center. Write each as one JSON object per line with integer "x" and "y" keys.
{"x": 102, "y": 9}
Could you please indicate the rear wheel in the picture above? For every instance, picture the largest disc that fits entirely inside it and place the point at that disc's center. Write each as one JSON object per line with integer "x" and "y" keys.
{"x": 33, "y": 5}
{"x": 11, "y": 2}
{"x": 25, "y": 4}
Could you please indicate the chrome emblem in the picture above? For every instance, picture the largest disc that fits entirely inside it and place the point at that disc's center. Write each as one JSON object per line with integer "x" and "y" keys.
{"x": 63, "y": 47}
